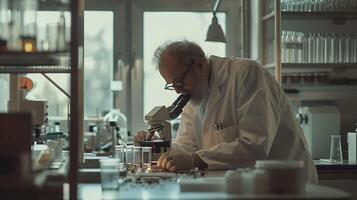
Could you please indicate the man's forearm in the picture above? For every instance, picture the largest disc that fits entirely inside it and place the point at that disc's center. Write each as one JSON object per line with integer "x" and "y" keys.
{"x": 198, "y": 162}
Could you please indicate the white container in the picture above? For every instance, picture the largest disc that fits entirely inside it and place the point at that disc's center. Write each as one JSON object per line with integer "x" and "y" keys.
{"x": 233, "y": 182}
{"x": 247, "y": 181}
{"x": 256, "y": 181}
{"x": 285, "y": 177}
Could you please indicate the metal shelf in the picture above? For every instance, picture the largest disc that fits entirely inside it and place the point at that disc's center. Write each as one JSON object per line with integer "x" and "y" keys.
{"x": 34, "y": 69}
{"x": 318, "y": 65}
{"x": 319, "y": 15}
{"x": 312, "y": 65}
{"x": 35, "y": 59}
{"x": 53, "y": 5}
{"x": 325, "y": 92}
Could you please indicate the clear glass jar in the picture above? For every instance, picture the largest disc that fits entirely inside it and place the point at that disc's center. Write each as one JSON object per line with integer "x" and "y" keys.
{"x": 24, "y": 16}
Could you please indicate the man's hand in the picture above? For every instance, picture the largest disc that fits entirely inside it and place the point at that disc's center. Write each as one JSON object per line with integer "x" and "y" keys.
{"x": 175, "y": 160}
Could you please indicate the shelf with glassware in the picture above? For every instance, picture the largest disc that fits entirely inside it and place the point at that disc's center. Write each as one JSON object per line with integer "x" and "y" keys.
{"x": 317, "y": 6}
{"x": 319, "y": 15}
{"x": 323, "y": 91}
{"x": 53, "y": 5}
{"x": 313, "y": 65}
{"x": 311, "y": 50}
{"x": 39, "y": 62}
{"x": 31, "y": 41}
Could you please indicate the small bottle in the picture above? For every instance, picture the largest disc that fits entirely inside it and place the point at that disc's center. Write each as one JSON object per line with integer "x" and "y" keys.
{"x": 57, "y": 127}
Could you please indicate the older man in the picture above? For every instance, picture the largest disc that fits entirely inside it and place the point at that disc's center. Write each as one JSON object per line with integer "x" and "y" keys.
{"x": 237, "y": 114}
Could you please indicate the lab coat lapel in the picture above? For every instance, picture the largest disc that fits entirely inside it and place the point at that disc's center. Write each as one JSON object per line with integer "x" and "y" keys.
{"x": 220, "y": 74}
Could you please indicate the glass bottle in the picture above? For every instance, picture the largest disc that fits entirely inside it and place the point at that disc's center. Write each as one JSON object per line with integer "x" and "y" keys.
{"x": 311, "y": 48}
{"x": 327, "y": 49}
{"x": 62, "y": 33}
{"x": 299, "y": 47}
{"x": 354, "y": 48}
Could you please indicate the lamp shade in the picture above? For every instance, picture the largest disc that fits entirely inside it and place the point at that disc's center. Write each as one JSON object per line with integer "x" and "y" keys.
{"x": 215, "y": 32}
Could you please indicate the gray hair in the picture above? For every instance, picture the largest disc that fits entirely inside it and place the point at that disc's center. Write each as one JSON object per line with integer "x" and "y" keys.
{"x": 184, "y": 51}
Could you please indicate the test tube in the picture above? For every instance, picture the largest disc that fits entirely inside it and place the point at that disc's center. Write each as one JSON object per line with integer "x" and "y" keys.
{"x": 120, "y": 153}
{"x": 129, "y": 157}
{"x": 137, "y": 158}
{"x": 146, "y": 158}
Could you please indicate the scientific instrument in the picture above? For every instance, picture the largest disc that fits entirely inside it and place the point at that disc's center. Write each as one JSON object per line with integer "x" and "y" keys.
{"x": 158, "y": 118}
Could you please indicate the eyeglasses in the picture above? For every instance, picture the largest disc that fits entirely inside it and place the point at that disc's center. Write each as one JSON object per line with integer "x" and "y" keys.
{"x": 178, "y": 84}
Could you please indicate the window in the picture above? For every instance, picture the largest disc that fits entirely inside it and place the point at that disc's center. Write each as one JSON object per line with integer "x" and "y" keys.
{"x": 57, "y": 102}
{"x": 160, "y": 27}
{"x": 98, "y": 62}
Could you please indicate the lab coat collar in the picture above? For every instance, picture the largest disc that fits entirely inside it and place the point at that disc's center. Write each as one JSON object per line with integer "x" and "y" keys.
{"x": 219, "y": 75}
{"x": 218, "y": 78}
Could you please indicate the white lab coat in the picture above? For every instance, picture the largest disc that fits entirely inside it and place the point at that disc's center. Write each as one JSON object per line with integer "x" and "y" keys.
{"x": 247, "y": 117}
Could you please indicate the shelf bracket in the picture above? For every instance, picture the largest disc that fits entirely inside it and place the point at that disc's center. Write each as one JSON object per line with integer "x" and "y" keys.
{"x": 56, "y": 85}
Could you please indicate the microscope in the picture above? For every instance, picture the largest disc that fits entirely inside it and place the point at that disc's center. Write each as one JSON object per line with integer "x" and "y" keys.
{"x": 159, "y": 133}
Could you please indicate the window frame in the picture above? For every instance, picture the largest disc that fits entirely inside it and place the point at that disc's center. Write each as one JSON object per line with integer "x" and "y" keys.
{"x": 129, "y": 41}
{"x": 234, "y": 38}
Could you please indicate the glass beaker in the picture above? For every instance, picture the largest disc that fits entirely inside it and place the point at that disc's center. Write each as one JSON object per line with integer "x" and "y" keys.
{"x": 109, "y": 175}
{"x": 146, "y": 158}
{"x": 28, "y": 12}
{"x": 336, "y": 149}
{"x": 52, "y": 30}
{"x": 137, "y": 158}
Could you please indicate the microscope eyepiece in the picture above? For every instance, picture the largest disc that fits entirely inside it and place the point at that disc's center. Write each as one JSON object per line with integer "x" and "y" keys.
{"x": 178, "y": 105}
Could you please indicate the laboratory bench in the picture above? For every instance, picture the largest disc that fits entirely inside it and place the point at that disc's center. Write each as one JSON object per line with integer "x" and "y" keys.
{"x": 327, "y": 170}
{"x": 170, "y": 189}
{"x": 338, "y": 175}
{"x": 41, "y": 184}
